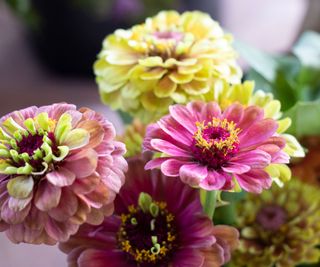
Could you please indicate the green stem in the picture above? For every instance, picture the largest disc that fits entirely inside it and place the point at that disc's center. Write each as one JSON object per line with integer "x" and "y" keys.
{"x": 210, "y": 203}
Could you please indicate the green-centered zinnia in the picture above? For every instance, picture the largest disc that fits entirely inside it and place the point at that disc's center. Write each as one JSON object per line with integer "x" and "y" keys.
{"x": 280, "y": 227}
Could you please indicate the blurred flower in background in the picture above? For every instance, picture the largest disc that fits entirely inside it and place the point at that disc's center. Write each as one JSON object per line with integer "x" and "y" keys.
{"x": 158, "y": 221}
{"x": 280, "y": 227}
{"x": 171, "y": 58}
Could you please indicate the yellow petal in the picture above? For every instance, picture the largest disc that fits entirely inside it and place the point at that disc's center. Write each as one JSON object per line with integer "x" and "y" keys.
{"x": 165, "y": 87}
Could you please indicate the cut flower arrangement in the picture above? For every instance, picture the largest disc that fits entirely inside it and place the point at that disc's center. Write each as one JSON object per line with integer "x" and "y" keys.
{"x": 200, "y": 178}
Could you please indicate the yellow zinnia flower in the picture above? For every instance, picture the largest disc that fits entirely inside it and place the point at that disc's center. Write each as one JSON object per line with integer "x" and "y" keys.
{"x": 171, "y": 58}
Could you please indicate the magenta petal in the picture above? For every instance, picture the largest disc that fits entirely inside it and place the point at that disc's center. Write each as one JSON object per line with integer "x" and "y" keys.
{"x": 209, "y": 111}
{"x": 155, "y": 163}
{"x": 193, "y": 174}
{"x": 184, "y": 117}
{"x": 281, "y": 157}
{"x": 214, "y": 181}
{"x": 168, "y": 148}
{"x": 258, "y": 133}
{"x": 195, "y": 107}
{"x": 255, "y": 159}
{"x": 175, "y": 130}
{"x": 188, "y": 258}
{"x": 171, "y": 167}
{"x": 234, "y": 113}
{"x": 239, "y": 168}
{"x": 61, "y": 177}
{"x": 254, "y": 181}
{"x": 47, "y": 196}
{"x": 98, "y": 258}
{"x": 251, "y": 115}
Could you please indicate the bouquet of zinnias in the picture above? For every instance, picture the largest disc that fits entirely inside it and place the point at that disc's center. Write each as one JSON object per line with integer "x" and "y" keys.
{"x": 200, "y": 141}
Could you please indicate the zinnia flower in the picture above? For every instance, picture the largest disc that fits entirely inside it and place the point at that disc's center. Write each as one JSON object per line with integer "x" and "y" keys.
{"x": 59, "y": 167}
{"x": 280, "y": 227}
{"x": 157, "y": 222}
{"x": 171, "y": 58}
{"x": 212, "y": 149}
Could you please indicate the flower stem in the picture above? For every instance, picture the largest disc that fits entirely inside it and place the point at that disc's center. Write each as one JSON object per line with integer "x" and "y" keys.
{"x": 210, "y": 203}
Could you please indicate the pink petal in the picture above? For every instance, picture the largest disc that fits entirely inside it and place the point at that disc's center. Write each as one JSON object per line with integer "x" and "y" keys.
{"x": 193, "y": 174}
{"x": 83, "y": 163}
{"x": 254, "y": 181}
{"x": 281, "y": 157}
{"x": 195, "y": 107}
{"x": 175, "y": 130}
{"x": 86, "y": 185}
{"x": 155, "y": 163}
{"x": 67, "y": 207}
{"x": 239, "y": 168}
{"x": 171, "y": 167}
{"x": 251, "y": 115}
{"x": 60, "y": 231}
{"x": 234, "y": 113}
{"x": 184, "y": 117}
{"x": 209, "y": 111}
{"x": 254, "y": 159}
{"x": 47, "y": 196}
{"x": 61, "y": 177}
{"x": 258, "y": 133}
{"x": 168, "y": 148}
{"x": 14, "y": 217}
{"x": 95, "y": 130}
{"x": 214, "y": 181}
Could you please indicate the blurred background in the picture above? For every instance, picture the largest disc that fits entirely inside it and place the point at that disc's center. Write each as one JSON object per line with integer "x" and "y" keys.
{"x": 47, "y": 49}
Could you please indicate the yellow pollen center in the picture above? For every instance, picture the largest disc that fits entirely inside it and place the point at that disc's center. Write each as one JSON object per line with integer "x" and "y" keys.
{"x": 223, "y": 144}
{"x": 150, "y": 255}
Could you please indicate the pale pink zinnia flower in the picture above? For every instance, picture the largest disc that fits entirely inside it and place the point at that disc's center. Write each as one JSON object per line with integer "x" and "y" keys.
{"x": 59, "y": 168}
{"x": 158, "y": 222}
{"x": 216, "y": 150}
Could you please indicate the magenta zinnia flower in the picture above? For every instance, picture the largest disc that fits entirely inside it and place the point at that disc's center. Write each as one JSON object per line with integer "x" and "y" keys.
{"x": 157, "y": 222}
{"x": 213, "y": 149}
{"x": 59, "y": 167}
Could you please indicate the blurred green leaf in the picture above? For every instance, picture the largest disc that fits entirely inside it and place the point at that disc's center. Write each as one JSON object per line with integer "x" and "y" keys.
{"x": 305, "y": 118}
{"x": 261, "y": 62}
{"x": 307, "y": 49}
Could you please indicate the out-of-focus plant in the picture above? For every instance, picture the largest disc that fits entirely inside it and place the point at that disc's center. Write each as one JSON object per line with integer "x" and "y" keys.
{"x": 294, "y": 79}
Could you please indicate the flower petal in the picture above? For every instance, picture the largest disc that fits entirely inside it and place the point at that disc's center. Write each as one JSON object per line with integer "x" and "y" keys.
{"x": 193, "y": 174}
{"x": 214, "y": 181}
{"x": 61, "y": 177}
{"x": 47, "y": 196}
{"x": 258, "y": 133}
{"x": 77, "y": 138}
{"x": 20, "y": 186}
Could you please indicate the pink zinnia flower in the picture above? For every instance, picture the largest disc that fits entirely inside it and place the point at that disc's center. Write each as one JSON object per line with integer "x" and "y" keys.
{"x": 59, "y": 168}
{"x": 213, "y": 149}
{"x": 157, "y": 222}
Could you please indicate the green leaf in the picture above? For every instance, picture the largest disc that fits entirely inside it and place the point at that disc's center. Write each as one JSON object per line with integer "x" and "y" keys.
{"x": 307, "y": 49}
{"x": 305, "y": 119}
{"x": 261, "y": 62}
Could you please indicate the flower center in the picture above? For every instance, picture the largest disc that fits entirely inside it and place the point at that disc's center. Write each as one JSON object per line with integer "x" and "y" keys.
{"x": 28, "y": 144}
{"x": 271, "y": 217}
{"x": 147, "y": 233}
{"x": 215, "y": 142}
{"x": 169, "y": 35}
